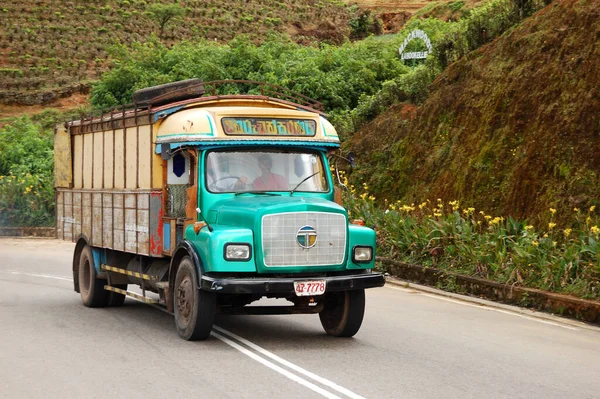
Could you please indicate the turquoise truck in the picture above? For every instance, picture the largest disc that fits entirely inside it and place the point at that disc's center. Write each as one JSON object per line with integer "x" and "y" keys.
{"x": 208, "y": 203}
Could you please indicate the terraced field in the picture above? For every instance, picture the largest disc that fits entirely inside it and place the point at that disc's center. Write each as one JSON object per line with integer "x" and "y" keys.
{"x": 54, "y": 48}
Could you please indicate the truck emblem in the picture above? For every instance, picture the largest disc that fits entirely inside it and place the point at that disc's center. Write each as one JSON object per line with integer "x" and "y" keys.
{"x": 306, "y": 237}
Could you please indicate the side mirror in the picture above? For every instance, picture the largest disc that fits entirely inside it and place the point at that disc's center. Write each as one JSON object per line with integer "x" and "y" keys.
{"x": 341, "y": 165}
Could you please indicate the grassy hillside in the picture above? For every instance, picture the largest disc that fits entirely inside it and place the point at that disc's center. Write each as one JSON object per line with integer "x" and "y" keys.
{"x": 512, "y": 128}
{"x": 53, "y": 48}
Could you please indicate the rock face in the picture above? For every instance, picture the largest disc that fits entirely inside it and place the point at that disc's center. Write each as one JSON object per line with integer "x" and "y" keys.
{"x": 512, "y": 128}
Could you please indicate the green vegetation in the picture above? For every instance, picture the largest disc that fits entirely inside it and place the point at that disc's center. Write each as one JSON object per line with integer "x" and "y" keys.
{"x": 165, "y": 13}
{"x": 558, "y": 257}
{"x": 337, "y": 76}
{"x": 502, "y": 128}
{"x": 27, "y": 173}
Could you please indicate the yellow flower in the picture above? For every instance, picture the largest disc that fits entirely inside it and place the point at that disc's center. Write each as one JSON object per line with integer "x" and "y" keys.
{"x": 454, "y": 205}
{"x": 576, "y": 210}
{"x": 592, "y": 208}
{"x": 363, "y": 196}
{"x": 372, "y": 198}
{"x": 496, "y": 220}
{"x": 595, "y": 229}
{"x": 365, "y": 187}
{"x": 551, "y": 225}
{"x": 535, "y": 243}
{"x": 553, "y": 243}
{"x": 422, "y": 205}
{"x": 567, "y": 232}
{"x": 529, "y": 227}
{"x": 545, "y": 235}
{"x": 552, "y": 211}
{"x": 487, "y": 217}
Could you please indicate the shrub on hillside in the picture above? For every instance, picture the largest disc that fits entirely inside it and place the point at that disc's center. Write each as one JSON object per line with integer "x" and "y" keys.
{"x": 336, "y": 76}
{"x": 26, "y": 174}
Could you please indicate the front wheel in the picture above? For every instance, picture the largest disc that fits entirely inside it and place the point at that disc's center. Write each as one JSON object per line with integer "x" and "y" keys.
{"x": 194, "y": 309}
{"x": 343, "y": 313}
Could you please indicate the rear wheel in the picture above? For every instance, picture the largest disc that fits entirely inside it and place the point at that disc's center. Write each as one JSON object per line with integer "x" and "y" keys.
{"x": 114, "y": 298}
{"x": 91, "y": 287}
{"x": 343, "y": 313}
{"x": 194, "y": 309}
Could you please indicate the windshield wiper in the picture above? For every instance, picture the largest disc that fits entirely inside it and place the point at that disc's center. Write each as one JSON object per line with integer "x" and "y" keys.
{"x": 256, "y": 192}
{"x": 305, "y": 179}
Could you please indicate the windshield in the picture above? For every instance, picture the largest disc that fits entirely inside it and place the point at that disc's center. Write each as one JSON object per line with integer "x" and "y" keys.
{"x": 244, "y": 171}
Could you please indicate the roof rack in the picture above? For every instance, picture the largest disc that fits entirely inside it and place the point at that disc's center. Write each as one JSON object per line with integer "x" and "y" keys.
{"x": 195, "y": 90}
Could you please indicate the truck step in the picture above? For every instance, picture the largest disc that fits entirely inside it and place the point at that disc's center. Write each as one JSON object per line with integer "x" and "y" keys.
{"x": 128, "y": 272}
{"x": 131, "y": 294}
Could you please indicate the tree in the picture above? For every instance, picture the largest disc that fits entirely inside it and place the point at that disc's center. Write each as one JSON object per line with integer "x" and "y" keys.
{"x": 163, "y": 13}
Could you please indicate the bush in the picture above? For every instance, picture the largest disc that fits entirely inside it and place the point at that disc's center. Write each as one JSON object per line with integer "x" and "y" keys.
{"x": 26, "y": 174}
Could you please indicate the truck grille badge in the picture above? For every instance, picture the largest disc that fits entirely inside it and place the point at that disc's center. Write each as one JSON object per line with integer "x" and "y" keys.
{"x": 306, "y": 237}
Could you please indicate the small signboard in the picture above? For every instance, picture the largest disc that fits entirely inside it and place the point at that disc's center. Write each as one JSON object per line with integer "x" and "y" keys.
{"x": 269, "y": 126}
{"x": 415, "y": 34}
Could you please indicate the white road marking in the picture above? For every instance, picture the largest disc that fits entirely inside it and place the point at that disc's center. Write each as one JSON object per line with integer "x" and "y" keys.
{"x": 275, "y": 367}
{"x": 36, "y": 275}
{"x": 290, "y": 365}
{"x": 252, "y": 355}
{"x": 488, "y": 308}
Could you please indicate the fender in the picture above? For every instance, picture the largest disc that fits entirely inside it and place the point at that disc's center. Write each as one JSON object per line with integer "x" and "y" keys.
{"x": 185, "y": 248}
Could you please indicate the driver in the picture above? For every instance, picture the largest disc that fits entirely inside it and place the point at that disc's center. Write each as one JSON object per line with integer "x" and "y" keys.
{"x": 268, "y": 180}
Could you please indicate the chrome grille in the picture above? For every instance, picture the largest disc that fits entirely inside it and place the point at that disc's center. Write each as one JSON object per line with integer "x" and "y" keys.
{"x": 282, "y": 248}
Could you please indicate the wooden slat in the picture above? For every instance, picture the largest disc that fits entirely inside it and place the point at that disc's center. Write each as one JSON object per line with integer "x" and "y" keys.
{"x": 119, "y": 154}
{"x": 77, "y": 161}
{"x": 131, "y": 157}
{"x": 63, "y": 167}
{"x": 88, "y": 154}
{"x": 145, "y": 157}
{"x": 98, "y": 160}
{"x": 108, "y": 159}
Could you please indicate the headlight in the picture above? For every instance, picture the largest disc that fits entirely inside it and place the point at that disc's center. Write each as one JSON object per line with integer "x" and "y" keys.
{"x": 237, "y": 252}
{"x": 362, "y": 254}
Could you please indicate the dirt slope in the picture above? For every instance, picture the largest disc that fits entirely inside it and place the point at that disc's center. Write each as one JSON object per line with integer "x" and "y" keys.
{"x": 513, "y": 128}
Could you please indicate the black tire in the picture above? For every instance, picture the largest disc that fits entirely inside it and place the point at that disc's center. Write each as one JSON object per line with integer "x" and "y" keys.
{"x": 169, "y": 92}
{"x": 343, "y": 313}
{"x": 91, "y": 287}
{"x": 114, "y": 298}
{"x": 194, "y": 309}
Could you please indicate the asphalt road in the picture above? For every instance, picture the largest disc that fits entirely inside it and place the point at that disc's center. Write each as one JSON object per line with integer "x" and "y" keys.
{"x": 412, "y": 344}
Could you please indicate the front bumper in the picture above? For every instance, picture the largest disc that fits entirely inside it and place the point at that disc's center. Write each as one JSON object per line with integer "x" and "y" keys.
{"x": 267, "y": 286}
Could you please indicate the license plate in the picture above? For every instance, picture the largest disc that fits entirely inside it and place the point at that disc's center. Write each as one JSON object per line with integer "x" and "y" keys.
{"x": 310, "y": 288}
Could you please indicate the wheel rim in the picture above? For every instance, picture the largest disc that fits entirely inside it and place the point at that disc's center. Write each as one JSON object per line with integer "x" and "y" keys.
{"x": 185, "y": 298}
